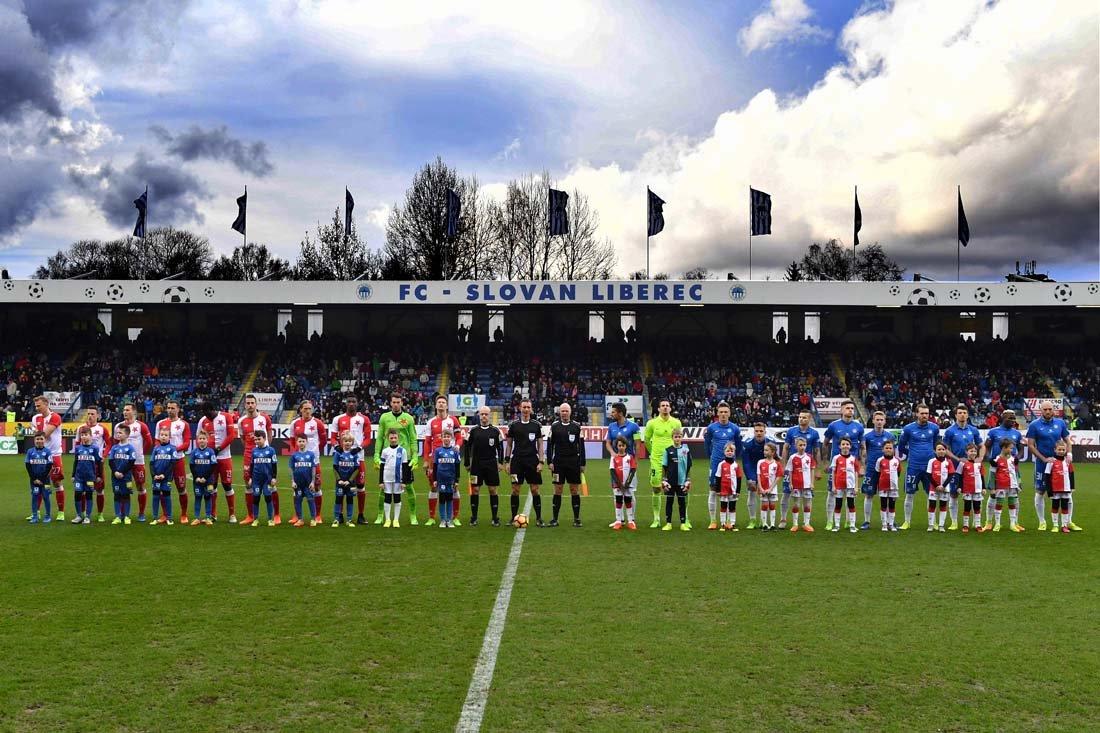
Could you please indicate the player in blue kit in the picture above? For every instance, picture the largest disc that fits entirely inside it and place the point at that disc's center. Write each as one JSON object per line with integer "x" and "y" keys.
{"x": 263, "y": 469}
{"x": 39, "y": 463}
{"x": 204, "y": 462}
{"x": 992, "y": 448}
{"x": 621, "y": 427}
{"x": 1042, "y": 435}
{"x": 846, "y": 427}
{"x": 918, "y": 446}
{"x": 813, "y": 449}
{"x": 752, "y": 452}
{"x": 87, "y": 465}
{"x": 448, "y": 464}
{"x": 162, "y": 464}
{"x": 873, "y": 440}
{"x": 719, "y": 433}
{"x": 303, "y": 478}
{"x": 345, "y": 464}
{"x": 121, "y": 461}
{"x": 957, "y": 436}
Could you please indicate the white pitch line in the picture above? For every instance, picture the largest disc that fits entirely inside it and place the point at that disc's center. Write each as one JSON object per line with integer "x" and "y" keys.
{"x": 473, "y": 710}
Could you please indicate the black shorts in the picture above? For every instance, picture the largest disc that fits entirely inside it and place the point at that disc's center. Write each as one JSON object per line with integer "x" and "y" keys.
{"x": 567, "y": 474}
{"x": 486, "y": 475}
{"x": 406, "y": 474}
{"x": 525, "y": 471}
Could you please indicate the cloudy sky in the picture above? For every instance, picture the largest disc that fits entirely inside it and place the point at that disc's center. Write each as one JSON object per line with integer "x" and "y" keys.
{"x": 698, "y": 100}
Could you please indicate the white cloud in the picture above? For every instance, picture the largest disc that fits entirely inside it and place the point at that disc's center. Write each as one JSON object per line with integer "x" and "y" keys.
{"x": 1001, "y": 99}
{"x": 782, "y": 21}
{"x": 509, "y": 151}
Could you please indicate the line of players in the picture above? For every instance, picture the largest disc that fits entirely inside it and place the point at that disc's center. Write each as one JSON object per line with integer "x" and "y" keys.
{"x": 943, "y": 475}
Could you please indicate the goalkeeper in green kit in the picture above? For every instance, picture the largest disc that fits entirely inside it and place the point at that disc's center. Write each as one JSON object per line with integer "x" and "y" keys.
{"x": 405, "y": 425}
{"x": 658, "y": 437}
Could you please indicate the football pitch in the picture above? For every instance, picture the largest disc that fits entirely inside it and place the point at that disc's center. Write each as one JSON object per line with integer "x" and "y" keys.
{"x": 229, "y": 627}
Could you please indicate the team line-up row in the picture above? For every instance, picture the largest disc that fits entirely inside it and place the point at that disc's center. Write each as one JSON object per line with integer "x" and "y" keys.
{"x": 945, "y": 475}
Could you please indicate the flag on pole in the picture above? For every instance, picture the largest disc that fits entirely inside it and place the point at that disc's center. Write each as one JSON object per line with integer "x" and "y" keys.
{"x": 859, "y": 222}
{"x": 655, "y": 214}
{"x": 142, "y": 204}
{"x": 760, "y": 207}
{"x": 964, "y": 227}
{"x": 559, "y": 213}
{"x": 240, "y": 224}
{"x": 454, "y": 210}
{"x": 349, "y": 206}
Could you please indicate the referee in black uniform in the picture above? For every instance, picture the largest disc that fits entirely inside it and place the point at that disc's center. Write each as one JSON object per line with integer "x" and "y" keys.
{"x": 483, "y": 456}
{"x": 523, "y": 461}
{"x": 565, "y": 456}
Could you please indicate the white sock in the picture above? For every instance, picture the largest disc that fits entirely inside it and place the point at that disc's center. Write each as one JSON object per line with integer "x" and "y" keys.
{"x": 1040, "y": 507}
{"x": 618, "y": 513}
{"x": 1070, "y": 515}
{"x": 851, "y": 517}
{"x": 807, "y": 511}
{"x": 752, "y": 504}
{"x": 386, "y": 509}
{"x": 630, "y": 511}
{"x": 892, "y": 516}
{"x": 868, "y": 507}
{"x": 884, "y": 517}
{"x": 932, "y": 517}
{"x": 1014, "y": 515}
{"x": 712, "y": 504}
{"x": 953, "y": 507}
{"x": 784, "y": 507}
{"x": 990, "y": 508}
{"x": 908, "y": 507}
{"x": 943, "y": 517}
{"x": 396, "y": 510}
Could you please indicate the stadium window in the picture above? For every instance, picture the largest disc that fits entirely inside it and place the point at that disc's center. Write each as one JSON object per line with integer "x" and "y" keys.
{"x": 282, "y": 320}
{"x": 315, "y": 323}
{"x": 1000, "y": 326}
{"x": 105, "y": 320}
{"x": 595, "y": 325}
{"x": 965, "y": 327}
{"x": 465, "y": 321}
{"x": 628, "y": 321}
{"x": 496, "y": 325}
{"x": 780, "y": 332}
{"x": 813, "y": 327}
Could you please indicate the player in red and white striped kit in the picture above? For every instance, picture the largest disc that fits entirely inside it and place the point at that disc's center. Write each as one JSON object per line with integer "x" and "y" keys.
{"x": 888, "y": 468}
{"x": 179, "y": 435}
{"x": 101, "y": 439}
{"x": 45, "y": 421}
{"x": 219, "y": 425}
{"x": 769, "y": 477}
{"x": 1060, "y": 483}
{"x": 800, "y": 467}
{"x": 253, "y": 421}
{"x": 845, "y": 470}
{"x": 433, "y": 440}
{"x": 142, "y": 441}
{"x": 941, "y": 469}
{"x": 316, "y": 437}
{"x": 969, "y": 481}
{"x": 354, "y": 422}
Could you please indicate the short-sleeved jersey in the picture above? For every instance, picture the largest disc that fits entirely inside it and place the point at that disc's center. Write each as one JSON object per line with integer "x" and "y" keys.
{"x": 566, "y": 444}
{"x": 163, "y": 459}
{"x": 994, "y": 437}
{"x": 433, "y": 440}
{"x": 446, "y": 462}
{"x": 716, "y": 437}
{"x": 658, "y": 435}
{"x": 121, "y": 460}
{"x": 677, "y": 462}
{"x": 621, "y": 468}
{"x": 888, "y": 470}
{"x": 203, "y": 462}
{"x": 249, "y": 426}
{"x": 837, "y": 429}
{"x": 39, "y": 463}
{"x": 811, "y": 436}
{"x": 727, "y": 472}
{"x": 1045, "y": 433}
{"x": 53, "y": 440}
{"x": 101, "y": 437}
{"x": 1004, "y": 476}
{"x": 800, "y": 467}
{"x": 526, "y": 439}
{"x": 918, "y": 445}
{"x": 264, "y": 465}
{"x": 179, "y": 434}
{"x": 391, "y": 460}
{"x": 346, "y": 463}
{"x": 845, "y": 471}
{"x": 768, "y": 474}
{"x": 752, "y": 453}
{"x": 940, "y": 471}
{"x": 303, "y": 468}
{"x": 405, "y": 425}
{"x": 873, "y": 441}
{"x": 313, "y": 429}
{"x": 628, "y": 430}
{"x": 1059, "y": 476}
{"x": 87, "y": 463}
{"x": 358, "y": 425}
{"x": 140, "y": 439}
{"x": 970, "y": 477}
{"x": 958, "y": 438}
{"x": 222, "y": 433}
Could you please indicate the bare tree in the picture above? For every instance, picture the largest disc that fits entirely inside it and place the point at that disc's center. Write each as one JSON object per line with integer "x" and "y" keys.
{"x": 697, "y": 273}
{"x": 329, "y": 257}
{"x": 581, "y": 254}
{"x": 251, "y": 262}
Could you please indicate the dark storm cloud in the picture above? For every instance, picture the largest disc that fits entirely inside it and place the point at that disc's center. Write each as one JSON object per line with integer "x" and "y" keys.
{"x": 26, "y": 74}
{"x": 174, "y": 194}
{"x": 25, "y": 190}
{"x": 216, "y": 144}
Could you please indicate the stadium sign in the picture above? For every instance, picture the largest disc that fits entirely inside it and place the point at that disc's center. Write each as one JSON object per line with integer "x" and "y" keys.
{"x": 634, "y": 404}
{"x": 62, "y": 401}
{"x": 829, "y": 406}
{"x": 465, "y": 402}
{"x": 9, "y": 446}
{"x": 268, "y": 402}
{"x": 1031, "y": 406}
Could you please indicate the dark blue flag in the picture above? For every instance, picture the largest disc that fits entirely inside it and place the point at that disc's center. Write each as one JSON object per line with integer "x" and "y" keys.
{"x": 964, "y": 227}
{"x": 858, "y": 222}
{"x": 559, "y": 213}
{"x": 240, "y": 224}
{"x": 760, "y": 208}
{"x": 349, "y": 206}
{"x": 655, "y": 214}
{"x": 142, "y": 204}
{"x": 454, "y": 211}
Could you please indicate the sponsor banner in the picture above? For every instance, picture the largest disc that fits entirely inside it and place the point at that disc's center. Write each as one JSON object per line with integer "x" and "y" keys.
{"x": 468, "y": 403}
{"x": 1032, "y": 411}
{"x": 634, "y": 404}
{"x": 62, "y": 401}
{"x": 9, "y": 446}
{"x": 268, "y": 402}
{"x": 829, "y": 406}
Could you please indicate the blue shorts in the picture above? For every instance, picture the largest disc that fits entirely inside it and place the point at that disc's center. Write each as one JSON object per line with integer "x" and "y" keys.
{"x": 914, "y": 481}
{"x": 206, "y": 489}
{"x": 162, "y": 487}
{"x": 870, "y": 482}
{"x": 712, "y": 480}
{"x": 341, "y": 492}
{"x": 448, "y": 489}
{"x": 123, "y": 488}
{"x": 44, "y": 487}
{"x": 1040, "y": 478}
{"x": 84, "y": 485}
{"x": 261, "y": 489}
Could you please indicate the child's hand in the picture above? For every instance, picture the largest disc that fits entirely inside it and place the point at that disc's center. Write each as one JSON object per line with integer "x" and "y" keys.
{"x": 118, "y": 474}
{"x": 272, "y": 483}
{"x": 159, "y": 477}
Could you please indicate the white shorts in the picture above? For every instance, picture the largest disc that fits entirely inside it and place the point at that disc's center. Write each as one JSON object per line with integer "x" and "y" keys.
{"x": 772, "y": 495}
{"x": 393, "y": 488}
{"x": 944, "y": 495}
{"x": 629, "y": 489}
{"x": 1006, "y": 493}
{"x": 972, "y": 497}
{"x": 802, "y": 493}
{"x": 1061, "y": 495}
{"x": 888, "y": 493}
{"x": 844, "y": 493}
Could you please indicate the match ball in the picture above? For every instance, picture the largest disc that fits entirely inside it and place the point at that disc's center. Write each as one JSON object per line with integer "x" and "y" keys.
{"x": 520, "y": 521}
{"x": 175, "y": 294}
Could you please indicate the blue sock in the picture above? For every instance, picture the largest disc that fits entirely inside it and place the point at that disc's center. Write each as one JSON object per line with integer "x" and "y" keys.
{"x": 118, "y": 507}
{"x": 312, "y": 508}
{"x": 298, "y": 506}
{"x": 46, "y": 500}
{"x": 34, "y": 503}
{"x": 208, "y": 506}
{"x": 270, "y": 508}
{"x": 126, "y": 506}
{"x": 168, "y": 506}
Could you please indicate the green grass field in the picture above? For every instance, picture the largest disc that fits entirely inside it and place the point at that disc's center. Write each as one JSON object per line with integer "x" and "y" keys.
{"x": 228, "y": 627}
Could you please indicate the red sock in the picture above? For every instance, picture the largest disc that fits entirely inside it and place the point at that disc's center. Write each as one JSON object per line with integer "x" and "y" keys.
{"x": 248, "y": 503}
{"x": 275, "y": 501}
{"x": 183, "y": 504}
{"x": 454, "y": 504}
{"x": 60, "y": 493}
{"x": 99, "y": 498}
{"x": 231, "y": 500}
{"x": 142, "y": 499}
{"x": 361, "y": 499}
{"x": 317, "y": 504}
{"x": 431, "y": 507}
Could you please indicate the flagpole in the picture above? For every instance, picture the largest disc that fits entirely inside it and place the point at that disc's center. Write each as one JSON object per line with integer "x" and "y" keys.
{"x": 855, "y": 234}
{"x": 750, "y": 232}
{"x": 244, "y": 234}
{"x": 647, "y": 205}
{"x": 145, "y": 232}
{"x": 958, "y": 242}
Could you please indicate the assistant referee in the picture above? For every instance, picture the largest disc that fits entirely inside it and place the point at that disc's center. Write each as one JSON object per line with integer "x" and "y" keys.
{"x": 565, "y": 456}
{"x": 483, "y": 456}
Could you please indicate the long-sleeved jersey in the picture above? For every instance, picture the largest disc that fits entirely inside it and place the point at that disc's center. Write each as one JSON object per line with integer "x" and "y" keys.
{"x": 623, "y": 470}
{"x": 222, "y": 433}
{"x": 391, "y": 459}
{"x": 1004, "y": 473}
{"x": 203, "y": 463}
{"x": 121, "y": 459}
{"x": 728, "y": 473}
{"x": 434, "y": 438}
{"x": 53, "y": 440}
{"x": 303, "y": 469}
{"x": 140, "y": 439}
{"x": 447, "y": 463}
{"x": 888, "y": 470}
{"x": 845, "y": 469}
{"x": 265, "y": 466}
{"x": 162, "y": 463}
{"x": 1059, "y": 476}
{"x": 918, "y": 444}
{"x": 768, "y": 474}
{"x": 970, "y": 477}
{"x": 658, "y": 435}
{"x": 716, "y": 437}
{"x": 313, "y": 429}
{"x": 941, "y": 471}
{"x": 406, "y": 432}
{"x": 87, "y": 464}
{"x": 39, "y": 463}
{"x": 484, "y": 445}
{"x": 677, "y": 464}
{"x": 566, "y": 444}
{"x": 358, "y": 425}
{"x": 525, "y": 439}
{"x": 179, "y": 434}
{"x": 800, "y": 467}
{"x": 345, "y": 464}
